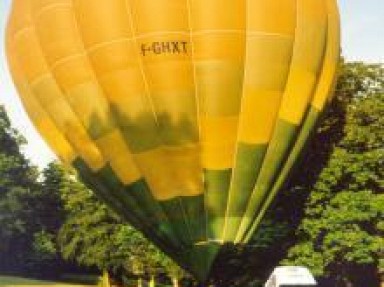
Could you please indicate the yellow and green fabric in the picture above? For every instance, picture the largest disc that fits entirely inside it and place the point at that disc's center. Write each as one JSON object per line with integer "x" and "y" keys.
{"x": 184, "y": 116}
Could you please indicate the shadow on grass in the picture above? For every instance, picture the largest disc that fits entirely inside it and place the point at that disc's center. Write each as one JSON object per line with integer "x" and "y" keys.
{"x": 19, "y": 281}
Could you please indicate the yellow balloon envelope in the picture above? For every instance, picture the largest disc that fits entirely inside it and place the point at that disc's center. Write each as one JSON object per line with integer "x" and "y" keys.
{"x": 184, "y": 116}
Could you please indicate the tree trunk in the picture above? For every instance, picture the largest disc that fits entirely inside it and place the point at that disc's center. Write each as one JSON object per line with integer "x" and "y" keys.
{"x": 175, "y": 282}
{"x": 152, "y": 281}
{"x": 347, "y": 282}
{"x": 139, "y": 282}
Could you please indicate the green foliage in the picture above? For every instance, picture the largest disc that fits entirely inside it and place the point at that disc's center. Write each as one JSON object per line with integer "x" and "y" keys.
{"x": 44, "y": 245}
{"x": 87, "y": 234}
{"x": 18, "y": 181}
{"x": 31, "y": 210}
{"x": 43, "y": 255}
{"x": 172, "y": 269}
{"x": 104, "y": 280}
{"x": 341, "y": 233}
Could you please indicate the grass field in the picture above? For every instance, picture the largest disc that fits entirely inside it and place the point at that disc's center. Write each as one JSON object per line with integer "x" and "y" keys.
{"x": 9, "y": 281}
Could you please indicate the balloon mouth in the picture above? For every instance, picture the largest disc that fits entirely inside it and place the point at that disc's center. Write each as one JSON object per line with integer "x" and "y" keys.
{"x": 209, "y": 241}
{"x": 207, "y": 262}
{"x": 200, "y": 259}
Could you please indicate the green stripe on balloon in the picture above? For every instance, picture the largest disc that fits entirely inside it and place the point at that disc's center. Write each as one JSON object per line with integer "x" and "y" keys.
{"x": 278, "y": 150}
{"x": 201, "y": 258}
{"x": 216, "y": 193}
{"x": 195, "y": 213}
{"x": 174, "y": 210}
{"x": 145, "y": 200}
{"x": 118, "y": 190}
{"x": 109, "y": 193}
{"x": 186, "y": 216}
{"x": 88, "y": 178}
{"x": 299, "y": 147}
{"x": 249, "y": 159}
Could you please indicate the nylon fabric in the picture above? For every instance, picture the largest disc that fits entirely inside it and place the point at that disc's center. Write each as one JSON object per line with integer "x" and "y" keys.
{"x": 185, "y": 117}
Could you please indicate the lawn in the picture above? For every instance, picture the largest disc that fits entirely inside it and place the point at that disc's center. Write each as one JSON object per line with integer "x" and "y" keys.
{"x": 17, "y": 281}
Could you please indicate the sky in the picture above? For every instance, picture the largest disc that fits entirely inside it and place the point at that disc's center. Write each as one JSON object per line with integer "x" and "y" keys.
{"x": 362, "y": 40}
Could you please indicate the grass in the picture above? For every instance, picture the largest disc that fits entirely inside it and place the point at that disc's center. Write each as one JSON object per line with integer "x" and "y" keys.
{"x": 18, "y": 281}
{"x": 9, "y": 280}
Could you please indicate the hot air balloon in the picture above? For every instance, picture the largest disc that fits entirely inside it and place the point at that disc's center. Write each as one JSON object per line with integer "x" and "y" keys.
{"x": 185, "y": 116}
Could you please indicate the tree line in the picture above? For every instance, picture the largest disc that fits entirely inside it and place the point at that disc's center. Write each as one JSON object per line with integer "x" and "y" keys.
{"x": 329, "y": 217}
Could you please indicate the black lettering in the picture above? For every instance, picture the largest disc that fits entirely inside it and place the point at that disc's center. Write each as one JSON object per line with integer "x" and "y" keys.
{"x": 145, "y": 49}
{"x": 156, "y": 47}
{"x": 175, "y": 47}
{"x": 184, "y": 45}
{"x": 166, "y": 47}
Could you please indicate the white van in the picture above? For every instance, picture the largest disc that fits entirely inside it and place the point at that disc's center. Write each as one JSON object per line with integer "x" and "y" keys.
{"x": 291, "y": 276}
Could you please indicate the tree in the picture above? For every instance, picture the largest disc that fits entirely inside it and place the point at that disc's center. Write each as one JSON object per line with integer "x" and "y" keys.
{"x": 30, "y": 208}
{"x": 174, "y": 271}
{"x": 89, "y": 231}
{"x": 48, "y": 216}
{"x": 341, "y": 234}
{"x": 18, "y": 181}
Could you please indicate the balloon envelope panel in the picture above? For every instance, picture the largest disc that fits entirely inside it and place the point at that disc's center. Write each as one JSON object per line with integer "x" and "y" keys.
{"x": 186, "y": 117}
